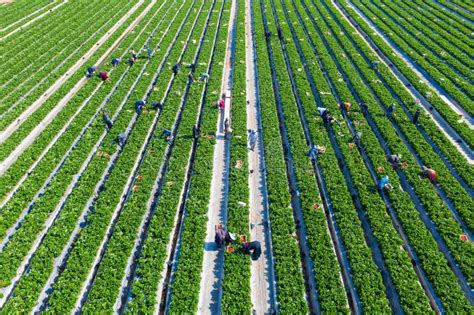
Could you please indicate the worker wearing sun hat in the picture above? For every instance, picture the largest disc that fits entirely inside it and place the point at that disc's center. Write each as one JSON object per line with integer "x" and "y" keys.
{"x": 223, "y": 236}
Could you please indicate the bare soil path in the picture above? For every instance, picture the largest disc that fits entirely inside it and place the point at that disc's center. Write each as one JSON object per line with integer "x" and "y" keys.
{"x": 262, "y": 276}
{"x": 213, "y": 262}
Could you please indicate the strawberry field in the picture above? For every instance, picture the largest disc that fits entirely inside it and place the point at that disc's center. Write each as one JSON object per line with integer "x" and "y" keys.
{"x": 334, "y": 136}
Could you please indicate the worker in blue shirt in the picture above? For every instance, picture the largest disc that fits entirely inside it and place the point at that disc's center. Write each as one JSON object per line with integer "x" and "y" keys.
{"x": 204, "y": 77}
{"x": 115, "y": 62}
{"x": 139, "y": 106}
{"x": 148, "y": 51}
{"x": 121, "y": 139}
{"x": 107, "y": 120}
{"x": 157, "y": 105}
{"x": 313, "y": 152}
{"x": 384, "y": 183}
{"x": 90, "y": 71}
{"x": 175, "y": 68}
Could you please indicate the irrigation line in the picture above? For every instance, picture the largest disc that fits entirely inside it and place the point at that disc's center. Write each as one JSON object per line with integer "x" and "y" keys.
{"x": 79, "y": 137}
{"x": 452, "y": 135}
{"x": 92, "y": 200}
{"x": 456, "y": 14}
{"x": 420, "y": 208}
{"x": 48, "y": 181}
{"x": 160, "y": 68}
{"x": 427, "y": 286}
{"x": 270, "y": 264}
{"x": 152, "y": 204}
{"x": 407, "y": 144}
{"x": 128, "y": 188}
{"x": 306, "y": 261}
{"x": 351, "y": 293}
{"x": 52, "y": 72}
{"x": 29, "y": 22}
{"x": 421, "y": 42}
{"x": 421, "y": 73}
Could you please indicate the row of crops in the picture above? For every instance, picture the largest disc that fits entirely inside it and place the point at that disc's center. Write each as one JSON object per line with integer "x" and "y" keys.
{"x": 90, "y": 225}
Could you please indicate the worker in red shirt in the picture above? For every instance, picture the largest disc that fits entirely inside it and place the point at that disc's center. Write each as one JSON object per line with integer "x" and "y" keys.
{"x": 103, "y": 75}
{"x": 221, "y": 104}
{"x": 429, "y": 173}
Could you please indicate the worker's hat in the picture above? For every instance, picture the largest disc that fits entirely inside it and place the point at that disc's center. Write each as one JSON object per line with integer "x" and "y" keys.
{"x": 232, "y": 236}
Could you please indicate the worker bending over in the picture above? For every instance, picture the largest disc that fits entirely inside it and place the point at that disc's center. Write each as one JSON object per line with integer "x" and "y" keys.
{"x": 121, "y": 138}
{"x": 254, "y": 249}
{"x": 429, "y": 173}
{"x": 204, "y": 77}
{"x": 139, "y": 106}
{"x": 384, "y": 183}
{"x": 103, "y": 75}
{"x": 252, "y": 138}
{"x": 90, "y": 71}
{"x": 394, "y": 159}
{"x": 222, "y": 236}
{"x": 107, "y": 121}
{"x": 115, "y": 62}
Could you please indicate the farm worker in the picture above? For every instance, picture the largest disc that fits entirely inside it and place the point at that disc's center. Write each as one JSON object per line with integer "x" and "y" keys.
{"x": 384, "y": 182}
{"x": 121, "y": 139}
{"x": 429, "y": 173}
{"x": 134, "y": 55}
{"x": 204, "y": 77}
{"x": 364, "y": 108}
{"x": 222, "y": 236}
{"x": 115, "y": 62}
{"x": 391, "y": 109}
{"x": 254, "y": 249}
{"x": 313, "y": 152}
{"x": 139, "y": 106}
{"x": 175, "y": 68}
{"x": 195, "y": 132}
{"x": 131, "y": 61}
{"x": 157, "y": 105}
{"x": 91, "y": 70}
{"x": 374, "y": 65}
{"x": 166, "y": 133}
{"x": 323, "y": 111}
{"x": 394, "y": 159}
{"x": 252, "y": 138}
{"x": 347, "y": 106}
{"x": 103, "y": 75}
{"x": 416, "y": 116}
{"x": 226, "y": 127}
{"x": 221, "y": 103}
{"x": 357, "y": 137}
{"x": 148, "y": 51}
{"x": 106, "y": 119}
{"x": 268, "y": 34}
